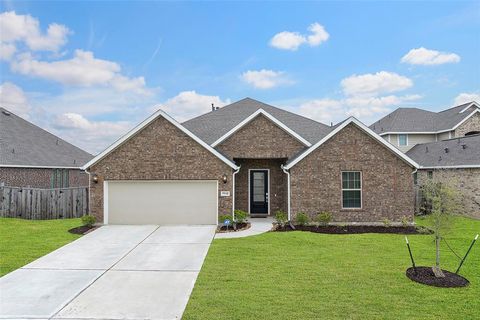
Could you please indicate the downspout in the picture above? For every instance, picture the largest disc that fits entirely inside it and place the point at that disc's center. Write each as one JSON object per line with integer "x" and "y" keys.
{"x": 288, "y": 190}
{"x": 89, "y": 187}
{"x": 233, "y": 192}
{"x": 415, "y": 191}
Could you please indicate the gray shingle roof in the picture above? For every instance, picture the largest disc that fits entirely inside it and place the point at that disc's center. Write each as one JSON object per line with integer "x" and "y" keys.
{"x": 418, "y": 120}
{"x": 23, "y": 143}
{"x": 213, "y": 125}
{"x": 461, "y": 151}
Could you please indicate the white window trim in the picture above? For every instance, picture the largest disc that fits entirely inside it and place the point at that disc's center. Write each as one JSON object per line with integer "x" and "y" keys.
{"x": 268, "y": 189}
{"x": 361, "y": 190}
{"x": 398, "y": 140}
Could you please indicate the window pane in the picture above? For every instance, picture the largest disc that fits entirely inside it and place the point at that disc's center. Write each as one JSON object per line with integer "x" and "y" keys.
{"x": 402, "y": 139}
{"x": 351, "y": 199}
{"x": 351, "y": 180}
{"x": 344, "y": 180}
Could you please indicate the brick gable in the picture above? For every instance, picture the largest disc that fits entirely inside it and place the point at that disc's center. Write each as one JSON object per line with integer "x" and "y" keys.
{"x": 260, "y": 139}
{"x": 387, "y": 182}
{"x": 160, "y": 151}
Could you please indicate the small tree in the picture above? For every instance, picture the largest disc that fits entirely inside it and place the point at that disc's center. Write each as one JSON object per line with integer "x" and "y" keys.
{"x": 441, "y": 202}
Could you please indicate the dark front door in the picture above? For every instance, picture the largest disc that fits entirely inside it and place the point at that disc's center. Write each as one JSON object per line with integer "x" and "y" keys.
{"x": 259, "y": 191}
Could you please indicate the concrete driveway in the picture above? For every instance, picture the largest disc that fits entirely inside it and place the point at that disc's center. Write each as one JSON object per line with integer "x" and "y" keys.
{"x": 114, "y": 272}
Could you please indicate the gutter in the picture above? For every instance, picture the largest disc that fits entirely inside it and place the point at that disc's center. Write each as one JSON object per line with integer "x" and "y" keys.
{"x": 233, "y": 192}
{"x": 288, "y": 189}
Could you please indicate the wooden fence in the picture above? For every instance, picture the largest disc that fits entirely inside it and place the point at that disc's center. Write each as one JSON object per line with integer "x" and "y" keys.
{"x": 39, "y": 204}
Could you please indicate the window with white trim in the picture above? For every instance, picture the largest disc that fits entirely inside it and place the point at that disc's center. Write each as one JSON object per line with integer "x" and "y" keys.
{"x": 351, "y": 190}
{"x": 402, "y": 140}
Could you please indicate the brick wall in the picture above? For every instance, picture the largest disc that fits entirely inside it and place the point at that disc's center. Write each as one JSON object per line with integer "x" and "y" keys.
{"x": 260, "y": 139}
{"x": 387, "y": 181}
{"x": 160, "y": 152}
{"x": 472, "y": 124}
{"x": 466, "y": 181}
{"x": 38, "y": 177}
{"x": 278, "y": 183}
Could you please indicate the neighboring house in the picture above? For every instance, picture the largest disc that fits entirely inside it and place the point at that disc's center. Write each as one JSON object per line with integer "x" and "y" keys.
{"x": 407, "y": 127}
{"x": 455, "y": 160}
{"x": 33, "y": 157}
{"x": 254, "y": 157}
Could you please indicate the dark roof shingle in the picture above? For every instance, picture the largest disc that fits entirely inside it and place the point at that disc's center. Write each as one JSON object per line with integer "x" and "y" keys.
{"x": 462, "y": 151}
{"x": 211, "y": 126}
{"x": 419, "y": 120}
{"x": 24, "y": 144}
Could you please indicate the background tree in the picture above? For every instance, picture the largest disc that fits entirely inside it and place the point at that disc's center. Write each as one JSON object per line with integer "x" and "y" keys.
{"x": 441, "y": 201}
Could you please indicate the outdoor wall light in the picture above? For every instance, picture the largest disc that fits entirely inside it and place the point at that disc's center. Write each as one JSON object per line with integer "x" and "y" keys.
{"x": 95, "y": 178}
{"x": 224, "y": 178}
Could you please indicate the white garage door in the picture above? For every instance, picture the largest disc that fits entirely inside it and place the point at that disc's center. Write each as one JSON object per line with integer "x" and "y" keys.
{"x": 161, "y": 202}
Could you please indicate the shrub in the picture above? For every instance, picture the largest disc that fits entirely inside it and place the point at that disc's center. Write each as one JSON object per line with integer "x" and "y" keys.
{"x": 323, "y": 218}
{"x": 241, "y": 216}
{"x": 405, "y": 221}
{"x": 281, "y": 218}
{"x": 88, "y": 220}
{"x": 224, "y": 217}
{"x": 386, "y": 222}
{"x": 302, "y": 219}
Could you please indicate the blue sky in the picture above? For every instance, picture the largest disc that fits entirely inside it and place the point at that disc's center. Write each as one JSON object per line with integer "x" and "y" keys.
{"x": 89, "y": 71}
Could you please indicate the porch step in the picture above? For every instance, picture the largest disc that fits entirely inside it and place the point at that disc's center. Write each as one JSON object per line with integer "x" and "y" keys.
{"x": 258, "y": 215}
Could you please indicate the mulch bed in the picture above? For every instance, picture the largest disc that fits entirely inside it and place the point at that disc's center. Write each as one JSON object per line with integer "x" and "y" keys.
{"x": 425, "y": 275}
{"x": 349, "y": 229}
{"x": 82, "y": 229}
{"x": 240, "y": 227}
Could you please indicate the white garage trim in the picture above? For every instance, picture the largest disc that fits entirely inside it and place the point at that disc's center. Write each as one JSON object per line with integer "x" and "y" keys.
{"x": 105, "y": 202}
{"x": 161, "y": 202}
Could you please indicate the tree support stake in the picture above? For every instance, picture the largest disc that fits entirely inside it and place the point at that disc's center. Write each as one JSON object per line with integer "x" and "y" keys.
{"x": 466, "y": 254}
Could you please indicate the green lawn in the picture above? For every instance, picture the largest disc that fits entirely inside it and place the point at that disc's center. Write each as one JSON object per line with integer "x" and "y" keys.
{"x": 22, "y": 241}
{"x": 301, "y": 275}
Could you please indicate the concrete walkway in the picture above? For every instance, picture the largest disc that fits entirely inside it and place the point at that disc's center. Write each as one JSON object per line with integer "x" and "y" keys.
{"x": 258, "y": 226}
{"x": 114, "y": 272}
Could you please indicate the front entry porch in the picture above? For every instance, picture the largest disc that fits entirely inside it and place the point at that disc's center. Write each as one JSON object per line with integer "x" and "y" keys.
{"x": 260, "y": 187}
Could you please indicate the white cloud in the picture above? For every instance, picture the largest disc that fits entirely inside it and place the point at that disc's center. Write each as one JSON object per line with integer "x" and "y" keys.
{"x": 14, "y": 99}
{"x": 323, "y": 110}
{"x": 287, "y": 40}
{"x": 95, "y": 135}
{"x": 423, "y": 56}
{"x": 364, "y": 108}
{"x": 27, "y": 29}
{"x": 81, "y": 70}
{"x": 189, "y": 104}
{"x": 265, "y": 79}
{"x": 466, "y": 97}
{"x": 319, "y": 34}
{"x": 375, "y": 84}
{"x": 7, "y": 50}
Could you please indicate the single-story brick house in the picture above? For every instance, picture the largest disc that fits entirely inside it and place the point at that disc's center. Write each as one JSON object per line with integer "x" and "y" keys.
{"x": 456, "y": 161}
{"x": 254, "y": 157}
{"x": 33, "y": 157}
